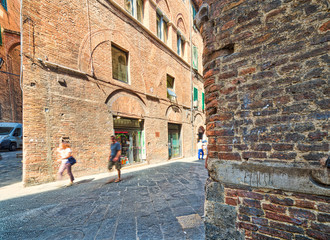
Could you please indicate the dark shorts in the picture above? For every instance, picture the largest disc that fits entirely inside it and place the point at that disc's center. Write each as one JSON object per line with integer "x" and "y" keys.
{"x": 117, "y": 164}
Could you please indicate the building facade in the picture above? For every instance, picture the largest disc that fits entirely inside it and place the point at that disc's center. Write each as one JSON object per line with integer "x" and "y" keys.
{"x": 266, "y": 70}
{"x": 10, "y": 91}
{"x": 94, "y": 68}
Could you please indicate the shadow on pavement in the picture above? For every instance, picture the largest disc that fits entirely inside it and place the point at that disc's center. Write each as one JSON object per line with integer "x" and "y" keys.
{"x": 146, "y": 204}
{"x": 84, "y": 181}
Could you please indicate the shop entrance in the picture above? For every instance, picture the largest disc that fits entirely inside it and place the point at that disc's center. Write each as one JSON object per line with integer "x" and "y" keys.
{"x": 174, "y": 140}
{"x": 130, "y": 134}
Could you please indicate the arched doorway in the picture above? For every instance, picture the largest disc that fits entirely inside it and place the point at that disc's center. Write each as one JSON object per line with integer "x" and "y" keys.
{"x": 128, "y": 110}
{"x": 200, "y": 133}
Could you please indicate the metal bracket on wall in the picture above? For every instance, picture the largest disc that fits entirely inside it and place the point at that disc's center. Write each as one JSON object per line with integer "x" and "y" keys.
{"x": 61, "y": 68}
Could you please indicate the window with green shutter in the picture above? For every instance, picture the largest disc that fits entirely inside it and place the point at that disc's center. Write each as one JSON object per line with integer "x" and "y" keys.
{"x": 195, "y": 58}
{"x": 195, "y": 94}
{"x": 193, "y": 9}
{"x": 203, "y": 101}
{"x": 4, "y": 4}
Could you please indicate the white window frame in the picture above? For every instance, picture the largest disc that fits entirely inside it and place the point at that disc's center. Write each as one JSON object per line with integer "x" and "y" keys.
{"x": 127, "y": 63}
{"x": 133, "y": 9}
{"x": 162, "y": 26}
{"x": 180, "y": 44}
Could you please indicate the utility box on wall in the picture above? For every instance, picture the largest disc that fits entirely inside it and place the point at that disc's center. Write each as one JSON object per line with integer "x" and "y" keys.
{"x": 266, "y": 80}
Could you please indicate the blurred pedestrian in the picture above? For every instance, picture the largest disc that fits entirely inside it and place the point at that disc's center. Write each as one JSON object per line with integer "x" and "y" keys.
{"x": 66, "y": 160}
{"x": 114, "y": 158}
{"x": 200, "y": 149}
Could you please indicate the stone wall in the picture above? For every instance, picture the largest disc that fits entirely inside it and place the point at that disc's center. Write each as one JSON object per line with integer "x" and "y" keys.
{"x": 69, "y": 90}
{"x": 267, "y": 107}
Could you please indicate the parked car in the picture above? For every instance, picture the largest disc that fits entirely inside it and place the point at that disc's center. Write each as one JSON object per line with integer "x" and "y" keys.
{"x": 11, "y": 136}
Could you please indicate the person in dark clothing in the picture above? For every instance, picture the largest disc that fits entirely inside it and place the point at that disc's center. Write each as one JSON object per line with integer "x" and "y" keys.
{"x": 114, "y": 158}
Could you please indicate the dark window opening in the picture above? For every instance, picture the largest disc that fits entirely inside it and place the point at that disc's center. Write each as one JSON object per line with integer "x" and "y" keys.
{"x": 119, "y": 64}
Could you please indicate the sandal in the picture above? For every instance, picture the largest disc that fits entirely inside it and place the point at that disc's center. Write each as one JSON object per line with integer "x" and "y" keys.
{"x": 117, "y": 180}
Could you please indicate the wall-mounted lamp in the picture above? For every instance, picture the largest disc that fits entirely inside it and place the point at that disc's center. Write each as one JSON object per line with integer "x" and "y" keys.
{"x": 1, "y": 62}
{"x": 118, "y": 117}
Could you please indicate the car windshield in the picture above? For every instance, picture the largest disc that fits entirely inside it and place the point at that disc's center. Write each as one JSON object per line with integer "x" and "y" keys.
{"x": 5, "y": 130}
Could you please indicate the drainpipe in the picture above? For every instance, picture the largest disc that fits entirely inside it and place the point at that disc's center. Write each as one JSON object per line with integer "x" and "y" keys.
{"x": 191, "y": 83}
{"x": 21, "y": 40}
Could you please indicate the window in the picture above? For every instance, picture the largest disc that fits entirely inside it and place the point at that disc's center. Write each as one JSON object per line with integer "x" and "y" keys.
{"x": 170, "y": 88}
{"x": 203, "y": 101}
{"x": 119, "y": 64}
{"x": 195, "y": 58}
{"x": 195, "y": 98}
{"x": 139, "y": 10}
{"x": 17, "y": 132}
{"x": 162, "y": 28}
{"x": 159, "y": 26}
{"x": 4, "y": 4}
{"x": 180, "y": 45}
{"x": 135, "y": 8}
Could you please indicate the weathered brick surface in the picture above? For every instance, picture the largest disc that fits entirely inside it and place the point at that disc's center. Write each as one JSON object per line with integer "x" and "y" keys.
{"x": 284, "y": 64}
{"x": 278, "y": 214}
{"x": 10, "y": 92}
{"x": 59, "y": 103}
{"x": 275, "y": 81}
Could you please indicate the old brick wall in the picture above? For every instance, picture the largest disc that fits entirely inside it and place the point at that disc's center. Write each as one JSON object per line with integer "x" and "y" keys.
{"x": 81, "y": 102}
{"x": 10, "y": 92}
{"x": 266, "y": 72}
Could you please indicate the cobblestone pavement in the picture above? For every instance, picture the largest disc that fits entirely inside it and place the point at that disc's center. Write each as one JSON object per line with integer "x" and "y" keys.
{"x": 162, "y": 202}
{"x": 10, "y": 167}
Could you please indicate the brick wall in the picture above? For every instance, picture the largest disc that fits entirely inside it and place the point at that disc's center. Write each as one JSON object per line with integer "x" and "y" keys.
{"x": 81, "y": 103}
{"x": 283, "y": 215}
{"x": 267, "y": 105}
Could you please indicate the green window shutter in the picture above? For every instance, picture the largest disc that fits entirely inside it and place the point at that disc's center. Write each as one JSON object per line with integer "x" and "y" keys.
{"x": 193, "y": 11}
{"x": 195, "y": 58}
{"x": 203, "y": 101}
{"x": 195, "y": 94}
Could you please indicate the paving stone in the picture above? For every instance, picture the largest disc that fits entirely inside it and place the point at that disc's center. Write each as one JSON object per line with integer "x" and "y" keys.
{"x": 95, "y": 210}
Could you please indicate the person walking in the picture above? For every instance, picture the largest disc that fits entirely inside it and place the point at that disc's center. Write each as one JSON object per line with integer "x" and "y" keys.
{"x": 114, "y": 158}
{"x": 66, "y": 160}
{"x": 200, "y": 149}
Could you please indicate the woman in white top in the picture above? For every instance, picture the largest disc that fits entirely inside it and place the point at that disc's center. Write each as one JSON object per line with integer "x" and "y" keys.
{"x": 65, "y": 152}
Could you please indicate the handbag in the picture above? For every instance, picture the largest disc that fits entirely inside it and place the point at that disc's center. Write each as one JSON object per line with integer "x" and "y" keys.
{"x": 72, "y": 160}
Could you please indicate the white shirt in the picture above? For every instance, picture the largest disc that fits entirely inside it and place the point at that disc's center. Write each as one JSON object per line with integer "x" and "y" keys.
{"x": 63, "y": 153}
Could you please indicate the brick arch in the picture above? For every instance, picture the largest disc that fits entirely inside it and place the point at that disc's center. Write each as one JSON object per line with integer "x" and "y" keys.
{"x": 126, "y": 102}
{"x": 180, "y": 23}
{"x": 174, "y": 113}
{"x": 102, "y": 69}
{"x": 95, "y": 39}
{"x": 12, "y": 46}
{"x": 158, "y": 83}
{"x": 199, "y": 120}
